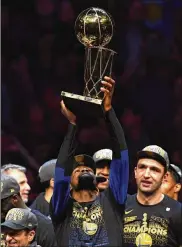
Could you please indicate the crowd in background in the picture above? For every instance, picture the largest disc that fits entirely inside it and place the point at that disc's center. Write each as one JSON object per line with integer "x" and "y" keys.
{"x": 41, "y": 57}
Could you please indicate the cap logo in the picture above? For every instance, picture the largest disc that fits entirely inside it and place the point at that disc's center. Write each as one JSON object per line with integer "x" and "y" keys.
{"x": 15, "y": 214}
{"x": 1, "y": 186}
{"x": 80, "y": 159}
{"x": 155, "y": 149}
{"x": 103, "y": 155}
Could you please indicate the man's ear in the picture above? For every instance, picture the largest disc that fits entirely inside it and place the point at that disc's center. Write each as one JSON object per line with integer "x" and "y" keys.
{"x": 135, "y": 170}
{"x": 177, "y": 188}
{"x": 165, "y": 176}
{"x": 31, "y": 236}
{"x": 15, "y": 199}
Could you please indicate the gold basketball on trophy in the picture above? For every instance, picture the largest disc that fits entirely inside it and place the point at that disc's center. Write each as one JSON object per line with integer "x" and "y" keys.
{"x": 94, "y": 26}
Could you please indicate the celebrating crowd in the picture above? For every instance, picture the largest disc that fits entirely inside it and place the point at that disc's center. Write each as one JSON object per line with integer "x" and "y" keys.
{"x": 85, "y": 202}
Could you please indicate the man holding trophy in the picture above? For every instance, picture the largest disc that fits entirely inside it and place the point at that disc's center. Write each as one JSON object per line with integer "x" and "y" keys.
{"x": 81, "y": 215}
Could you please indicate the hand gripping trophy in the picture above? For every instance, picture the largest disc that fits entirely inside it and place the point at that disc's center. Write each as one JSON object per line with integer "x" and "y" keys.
{"x": 94, "y": 29}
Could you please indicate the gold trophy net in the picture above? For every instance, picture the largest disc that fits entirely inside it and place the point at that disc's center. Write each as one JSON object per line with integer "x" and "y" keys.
{"x": 98, "y": 63}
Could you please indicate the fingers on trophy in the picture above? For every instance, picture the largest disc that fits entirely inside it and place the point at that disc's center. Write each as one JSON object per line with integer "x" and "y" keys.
{"x": 108, "y": 84}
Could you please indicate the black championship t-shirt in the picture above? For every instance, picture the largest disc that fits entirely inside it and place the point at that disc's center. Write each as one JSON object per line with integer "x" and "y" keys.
{"x": 157, "y": 225}
{"x": 97, "y": 223}
{"x": 41, "y": 205}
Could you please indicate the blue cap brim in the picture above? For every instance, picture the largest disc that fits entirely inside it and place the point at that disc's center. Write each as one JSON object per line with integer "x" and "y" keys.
{"x": 12, "y": 225}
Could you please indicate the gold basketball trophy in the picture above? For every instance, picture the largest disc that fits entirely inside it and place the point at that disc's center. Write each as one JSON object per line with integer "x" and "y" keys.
{"x": 94, "y": 29}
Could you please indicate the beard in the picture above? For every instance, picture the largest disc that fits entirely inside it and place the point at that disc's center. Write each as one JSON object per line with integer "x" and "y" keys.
{"x": 152, "y": 190}
{"x": 86, "y": 181}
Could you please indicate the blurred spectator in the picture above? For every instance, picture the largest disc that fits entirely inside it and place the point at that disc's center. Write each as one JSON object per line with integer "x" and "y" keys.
{"x": 171, "y": 185}
{"x": 46, "y": 175}
{"x": 36, "y": 120}
{"x": 153, "y": 13}
{"x": 153, "y": 96}
{"x": 178, "y": 90}
{"x": 5, "y": 108}
{"x": 133, "y": 40}
{"x": 157, "y": 46}
{"x": 45, "y": 48}
{"x": 66, "y": 12}
{"x": 44, "y": 7}
{"x": 4, "y": 17}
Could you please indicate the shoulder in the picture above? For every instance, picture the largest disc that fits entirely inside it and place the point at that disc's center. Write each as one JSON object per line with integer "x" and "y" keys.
{"x": 41, "y": 218}
{"x": 38, "y": 199}
{"x": 172, "y": 210}
{"x": 40, "y": 196}
{"x": 34, "y": 244}
{"x": 172, "y": 203}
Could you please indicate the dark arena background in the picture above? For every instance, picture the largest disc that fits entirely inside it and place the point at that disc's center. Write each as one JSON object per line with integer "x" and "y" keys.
{"x": 41, "y": 56}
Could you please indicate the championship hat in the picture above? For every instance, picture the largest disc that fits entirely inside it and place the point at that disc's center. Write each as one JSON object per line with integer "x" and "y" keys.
{"x": 20, "y": 219}
{"x": 9, "y": 186}
{"x": 156, "y": 153}
{"x": 103, "y": 154}
{"x": 84, "y": 160}
{"x": 177, "y": 171}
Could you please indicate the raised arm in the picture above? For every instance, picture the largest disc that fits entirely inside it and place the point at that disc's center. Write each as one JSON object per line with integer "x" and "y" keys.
{"x": 64, "y": 167}
{"x": 119, "y": 167}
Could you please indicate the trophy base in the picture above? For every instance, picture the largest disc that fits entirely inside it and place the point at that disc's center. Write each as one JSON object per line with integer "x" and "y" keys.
{"x": 83, "y": 106}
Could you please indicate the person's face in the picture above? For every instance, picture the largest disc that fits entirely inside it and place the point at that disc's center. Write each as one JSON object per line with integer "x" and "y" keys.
{"x": 169, "y": 186}
{"x": 19, "y": 238}
{"x": 149, "y": 174}
{"x": 21, "y": 178}
{"x": 52, "y": 183}
{"x": 6, "y": 205}
{"x": 76, "y": 173}
{"x": 103, "y": 172}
